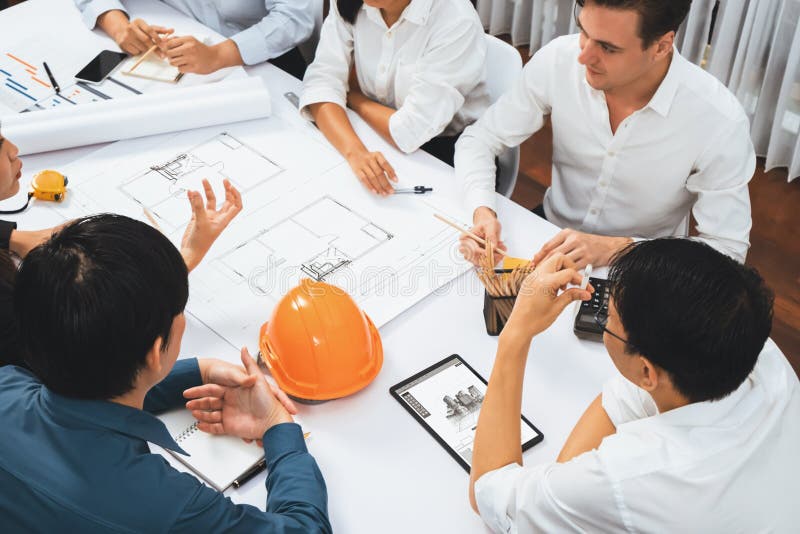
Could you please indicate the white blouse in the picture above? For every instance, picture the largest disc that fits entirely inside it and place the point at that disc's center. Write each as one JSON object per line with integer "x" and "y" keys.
{"x": 429, "y": 66}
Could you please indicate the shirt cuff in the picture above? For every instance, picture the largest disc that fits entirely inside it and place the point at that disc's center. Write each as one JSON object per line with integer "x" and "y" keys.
{"x": 252, "y": 46}
{"x": 95, "y": 8}
{"x": 168, "y": 393}
{"x": 282, "y": 439}
{"x": 476, "y": 198}
{"x": 316, "y": 95}
{"x": 495, "y": 491}
{"x": 404, "y": 137}
{"x": 6, "y": 227}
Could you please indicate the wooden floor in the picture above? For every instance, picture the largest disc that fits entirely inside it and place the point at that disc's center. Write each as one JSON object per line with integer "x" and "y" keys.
{"x": 775, "y": 238}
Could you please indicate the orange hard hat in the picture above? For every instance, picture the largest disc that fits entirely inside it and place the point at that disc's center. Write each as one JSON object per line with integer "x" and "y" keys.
{"x": 318, "y": 344}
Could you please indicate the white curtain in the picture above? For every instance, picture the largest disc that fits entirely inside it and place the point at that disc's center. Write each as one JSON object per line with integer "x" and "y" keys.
{"x": 755, "y": 51}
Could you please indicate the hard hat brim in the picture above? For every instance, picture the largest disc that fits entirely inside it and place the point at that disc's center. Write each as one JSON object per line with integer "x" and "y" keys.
{"x": 313, "y": 397}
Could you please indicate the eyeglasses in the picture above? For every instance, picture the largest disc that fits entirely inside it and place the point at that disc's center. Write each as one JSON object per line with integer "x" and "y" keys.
{"x": 601, "y": 318}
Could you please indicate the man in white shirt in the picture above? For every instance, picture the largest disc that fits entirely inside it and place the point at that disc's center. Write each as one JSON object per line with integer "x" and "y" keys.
{"x": 699, "y": 431}
{"x": 641, "y": 138}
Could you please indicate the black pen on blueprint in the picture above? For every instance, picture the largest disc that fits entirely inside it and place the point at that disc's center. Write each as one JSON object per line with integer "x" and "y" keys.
{"x": 52, "y": 78}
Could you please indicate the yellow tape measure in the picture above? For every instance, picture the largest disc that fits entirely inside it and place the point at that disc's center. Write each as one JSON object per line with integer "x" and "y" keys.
{"x": 49, "y": 185}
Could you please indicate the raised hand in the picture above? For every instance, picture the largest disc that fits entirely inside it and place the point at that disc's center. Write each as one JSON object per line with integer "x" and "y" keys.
{"x": 207, "y": 222}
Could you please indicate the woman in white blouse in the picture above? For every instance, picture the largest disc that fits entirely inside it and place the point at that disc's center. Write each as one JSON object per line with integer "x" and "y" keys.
{"x": 414, "y": 70}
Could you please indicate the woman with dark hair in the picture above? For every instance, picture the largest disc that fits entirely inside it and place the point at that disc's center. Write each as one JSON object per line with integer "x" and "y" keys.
{"x": 414, "y": 70}
{"x": 206, "y": 225}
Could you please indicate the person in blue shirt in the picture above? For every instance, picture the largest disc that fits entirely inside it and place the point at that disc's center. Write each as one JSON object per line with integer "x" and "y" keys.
{"x": 257, "y": 31}
{"x": 100, "y": 312}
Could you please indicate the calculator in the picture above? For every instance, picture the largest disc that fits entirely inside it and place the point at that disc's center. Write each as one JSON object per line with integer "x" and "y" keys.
{"x": 586, "y": 326}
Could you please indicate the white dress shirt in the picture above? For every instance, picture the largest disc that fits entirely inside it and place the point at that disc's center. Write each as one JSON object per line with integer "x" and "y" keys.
{"x": 261, "y": 29}
{"x": 688, "y": 149}
{"x": 429, "y": 66}
{"x": 726, "y": 466}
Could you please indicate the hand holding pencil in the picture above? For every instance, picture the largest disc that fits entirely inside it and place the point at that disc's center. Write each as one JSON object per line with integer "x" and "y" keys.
{"x": 485, "y": 226}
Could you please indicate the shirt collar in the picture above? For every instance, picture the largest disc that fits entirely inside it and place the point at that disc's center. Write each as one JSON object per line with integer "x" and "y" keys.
{"x": 661, "y": 102}
{"x": 665, "y": 94}
{"x": 112, "y": 416}
{"x": 738, "y": 405}
{"x": 416, "y": 12}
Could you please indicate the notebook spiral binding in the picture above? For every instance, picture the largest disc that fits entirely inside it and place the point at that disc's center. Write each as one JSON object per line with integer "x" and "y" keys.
{"x": 186, "y": 433}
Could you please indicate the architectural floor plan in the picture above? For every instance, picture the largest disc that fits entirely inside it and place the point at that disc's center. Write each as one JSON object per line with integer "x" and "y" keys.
{"x": 162, "y": 187}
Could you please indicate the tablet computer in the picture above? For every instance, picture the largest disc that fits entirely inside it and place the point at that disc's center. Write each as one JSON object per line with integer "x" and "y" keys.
{"x": 446, "y": 399}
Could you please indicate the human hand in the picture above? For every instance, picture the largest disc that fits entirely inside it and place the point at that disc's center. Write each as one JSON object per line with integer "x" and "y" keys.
{"x": 207, "y": 222}
{"x": 373, "y": 171}
{"x": 133, "y": 36}
{"x": 485, "y": 225}
{"x": 191, "y": 55}
{"x": 23, "y": 241}
{"x": 582, "y": 248}
{"x": 539, "y": 303}
{"x": 245, "y": 411}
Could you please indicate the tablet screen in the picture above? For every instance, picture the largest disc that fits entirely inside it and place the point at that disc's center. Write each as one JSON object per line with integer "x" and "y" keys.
{"x": 446, "y": 398}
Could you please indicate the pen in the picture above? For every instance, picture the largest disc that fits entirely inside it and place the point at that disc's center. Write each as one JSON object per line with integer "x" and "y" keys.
{"x": 417, "y": 190}
{"x": 52, "y": 79}
{"x": 256, "y": 469}
{"x": 250, "y": 473}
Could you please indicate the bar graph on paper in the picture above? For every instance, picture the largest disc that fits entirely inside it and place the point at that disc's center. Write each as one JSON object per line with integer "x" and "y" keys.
{"x": 24, "y": 83}
{"x": 26, "y": 87}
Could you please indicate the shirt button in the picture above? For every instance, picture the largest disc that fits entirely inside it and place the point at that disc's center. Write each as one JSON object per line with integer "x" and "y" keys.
{"x": 593, "y": 212}
{"x": 382, "y": 69}
{"x": 611, "y": 153}
{"x": 389, "y": 34}
{"x": 602, "y": 184}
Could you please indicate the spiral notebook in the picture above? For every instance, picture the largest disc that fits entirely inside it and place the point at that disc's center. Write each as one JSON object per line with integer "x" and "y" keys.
{"x": 219, "y": 460}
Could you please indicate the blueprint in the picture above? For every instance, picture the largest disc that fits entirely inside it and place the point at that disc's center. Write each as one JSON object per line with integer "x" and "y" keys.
{"x": 305, "y": 216}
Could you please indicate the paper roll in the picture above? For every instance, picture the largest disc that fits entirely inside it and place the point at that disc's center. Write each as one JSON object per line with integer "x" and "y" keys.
{"x": 148, "y": 114}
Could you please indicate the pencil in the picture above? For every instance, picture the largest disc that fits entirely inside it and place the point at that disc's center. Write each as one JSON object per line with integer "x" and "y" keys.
{"x": 152, "y": 219}
{"x": 144, "y": 56}
{"x": 466, "y": 232}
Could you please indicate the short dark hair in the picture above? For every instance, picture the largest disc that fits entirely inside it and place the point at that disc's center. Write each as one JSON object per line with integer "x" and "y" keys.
{"x": 348, "y": 9}
{"x": 693, "y": 311}
{"x": 656, "y": 17}
{"x": 92, "y": 300}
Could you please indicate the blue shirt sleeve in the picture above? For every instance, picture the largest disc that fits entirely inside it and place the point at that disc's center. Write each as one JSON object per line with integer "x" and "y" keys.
{"x": 287, "y": 24}
{"x": 168, "y": 393}
{"x": 91, "y": 9}
{"x": 297, "y": 500}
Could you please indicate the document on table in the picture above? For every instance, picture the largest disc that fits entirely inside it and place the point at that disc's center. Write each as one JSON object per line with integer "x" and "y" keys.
{"x": 305, "y": 215}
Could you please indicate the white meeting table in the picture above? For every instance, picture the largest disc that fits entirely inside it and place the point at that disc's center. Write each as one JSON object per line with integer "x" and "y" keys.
{"x": 384, "y": 473}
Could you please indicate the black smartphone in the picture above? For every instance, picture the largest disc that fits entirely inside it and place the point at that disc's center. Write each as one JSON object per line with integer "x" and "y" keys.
{"x": 586, "y": 326}
{"x": 101, "y": 66}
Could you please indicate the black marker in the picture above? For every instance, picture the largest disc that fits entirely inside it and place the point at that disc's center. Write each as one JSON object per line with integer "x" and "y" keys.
{"x": 52, "y": 79}
{"x": 250, "y": 473}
